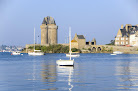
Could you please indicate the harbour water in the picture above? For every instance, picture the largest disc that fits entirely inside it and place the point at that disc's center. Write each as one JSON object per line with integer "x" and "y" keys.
{"x": 91, "y": 72}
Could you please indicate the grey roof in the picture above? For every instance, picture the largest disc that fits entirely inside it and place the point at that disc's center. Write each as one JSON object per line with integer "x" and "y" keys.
{"x": 80, "y": 37}
{"x": 48, "y": 20}
{"x": 44, "y": 21}
{"x": 134, "y": 26}
{"x": 124, "y": 32}
{"x": 134, "y": 30}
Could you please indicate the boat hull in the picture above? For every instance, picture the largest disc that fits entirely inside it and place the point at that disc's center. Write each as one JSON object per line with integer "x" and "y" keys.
{"x": 113, "y": 54}
{"x": 117, "y": 52}
{"x": 35, "y": 54}
{"x": 65, "y": 62}
{"x": 68, "y": 55}
{"x": 15, "y": 53}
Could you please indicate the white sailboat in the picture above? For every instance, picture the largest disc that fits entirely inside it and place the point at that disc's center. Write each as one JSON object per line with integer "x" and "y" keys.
{"x": 36, "y": 52}
{"x": 15, "y": 53}
{"x": 72, "y": 54}
{"x": 67, "y": 62}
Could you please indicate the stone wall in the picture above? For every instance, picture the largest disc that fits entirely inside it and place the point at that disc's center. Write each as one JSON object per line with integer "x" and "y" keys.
{"x": 44, "y": 34}
{"x": 81, "y": 43}
{"x": 74, "y": 45}
{"x": 124, "y": 49}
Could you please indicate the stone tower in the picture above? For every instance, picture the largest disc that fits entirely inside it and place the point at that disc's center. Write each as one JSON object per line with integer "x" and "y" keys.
{"x": 48, "y": 31}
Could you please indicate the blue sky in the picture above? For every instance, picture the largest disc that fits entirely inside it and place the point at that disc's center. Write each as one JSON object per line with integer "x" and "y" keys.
{"x": 98, "y": 19}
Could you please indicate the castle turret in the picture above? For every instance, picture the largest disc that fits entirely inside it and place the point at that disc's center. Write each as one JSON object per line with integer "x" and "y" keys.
{"x": 48, "y": 31}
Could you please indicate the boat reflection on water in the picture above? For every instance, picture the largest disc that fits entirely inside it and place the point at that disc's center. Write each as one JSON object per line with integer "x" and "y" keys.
{"x": 66, "y": 71}
{"x": 127, "y": 75}
{"x": 59, "y": 76}
{"x": 49, "y": 76}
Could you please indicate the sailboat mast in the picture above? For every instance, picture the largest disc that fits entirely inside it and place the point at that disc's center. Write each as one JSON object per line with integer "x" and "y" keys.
{"x": 34, "y": 38}
{"x": 70, "y": 40}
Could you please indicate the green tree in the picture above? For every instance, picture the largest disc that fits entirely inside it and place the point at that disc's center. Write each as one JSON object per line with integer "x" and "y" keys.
{"x": 89, "y": 49}
{"x": 112, "y": 42}
{"x": 38, "y": 47}
{"x": 31, "y": 47}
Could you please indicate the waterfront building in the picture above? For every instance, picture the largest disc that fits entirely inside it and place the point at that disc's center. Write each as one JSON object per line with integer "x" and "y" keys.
{"x": 126, "y": 35}
{"x": 79, "y": 42}
{"x": 93, "y": 41}
{"x": 48, "y": 31}
{"x": 74, "y": 44}
{"x": 134, "y": 38}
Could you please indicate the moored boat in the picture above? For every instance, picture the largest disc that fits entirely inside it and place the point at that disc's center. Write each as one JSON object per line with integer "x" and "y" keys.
{"x": 67, "y": 62}
{"x": 36, "y": 52}
{"x": 73, "y": 55}
{"x": 15, "y": 53}
{"x": 117, "y": 52}
{"x": 113, "y": 54}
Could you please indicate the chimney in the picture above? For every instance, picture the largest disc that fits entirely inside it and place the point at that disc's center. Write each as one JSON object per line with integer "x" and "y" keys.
{"x": 122, "y": 26}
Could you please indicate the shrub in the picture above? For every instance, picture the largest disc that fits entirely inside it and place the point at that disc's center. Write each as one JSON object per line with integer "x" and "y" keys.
{"x": 89, "y": 49}
{"x": 55, "y": 49}
{"x": 74, "y": 49}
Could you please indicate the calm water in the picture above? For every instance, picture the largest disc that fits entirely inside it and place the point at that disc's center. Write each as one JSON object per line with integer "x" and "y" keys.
{"x": 91, "y": 72}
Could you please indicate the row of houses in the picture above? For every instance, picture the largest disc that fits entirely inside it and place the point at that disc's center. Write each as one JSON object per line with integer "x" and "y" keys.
{"x": 127, "y": 35}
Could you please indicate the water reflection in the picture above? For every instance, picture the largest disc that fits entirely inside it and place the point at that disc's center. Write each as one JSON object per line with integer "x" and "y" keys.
{"x": 49, "y": 75}
{"x": 32, "y": 74}
{"x": 127, "y": 74}
{"x": 66, "y": 71}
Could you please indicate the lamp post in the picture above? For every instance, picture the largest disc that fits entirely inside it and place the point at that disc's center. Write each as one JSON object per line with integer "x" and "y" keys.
{"x": 37, "y": 39}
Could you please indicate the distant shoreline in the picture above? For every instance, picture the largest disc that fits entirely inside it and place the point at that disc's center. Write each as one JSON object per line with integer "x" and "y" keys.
{"x": 86, "y": 49}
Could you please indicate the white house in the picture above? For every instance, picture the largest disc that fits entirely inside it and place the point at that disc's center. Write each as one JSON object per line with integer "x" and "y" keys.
{"x": 134, "y": 39}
